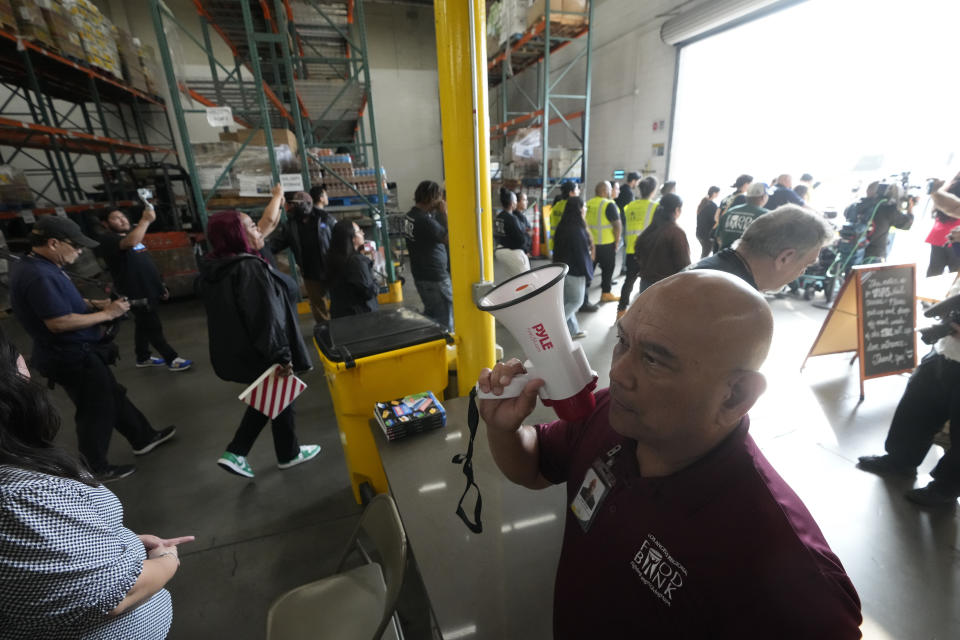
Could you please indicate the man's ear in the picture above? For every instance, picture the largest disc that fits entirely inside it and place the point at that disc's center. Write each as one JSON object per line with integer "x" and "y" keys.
{"x": 786, "y": 257}
{"x": 744, "y": 389}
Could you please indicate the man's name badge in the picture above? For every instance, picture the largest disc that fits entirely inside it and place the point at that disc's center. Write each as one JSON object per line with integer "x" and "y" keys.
{"x": 596, "y": 485}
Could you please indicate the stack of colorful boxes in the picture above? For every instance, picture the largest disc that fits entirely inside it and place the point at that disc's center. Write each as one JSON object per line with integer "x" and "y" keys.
{"x": 98, "y": 36}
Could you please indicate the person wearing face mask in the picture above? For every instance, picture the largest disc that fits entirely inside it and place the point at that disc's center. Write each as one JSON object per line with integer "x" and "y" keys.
{"x": 69, "y": 347}
{"x": 252, "y": 324}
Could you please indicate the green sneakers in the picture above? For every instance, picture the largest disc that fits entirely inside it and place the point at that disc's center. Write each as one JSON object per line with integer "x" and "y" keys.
{"x": 237, "y": 464}
{"x": 307, "y": 452}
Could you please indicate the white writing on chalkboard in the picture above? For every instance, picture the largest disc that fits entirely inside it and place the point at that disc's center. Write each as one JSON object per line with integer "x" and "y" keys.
{"x": 887, "y": 321}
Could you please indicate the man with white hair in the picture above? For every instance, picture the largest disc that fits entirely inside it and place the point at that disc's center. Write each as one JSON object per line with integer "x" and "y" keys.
{"x": 775, "y": 249}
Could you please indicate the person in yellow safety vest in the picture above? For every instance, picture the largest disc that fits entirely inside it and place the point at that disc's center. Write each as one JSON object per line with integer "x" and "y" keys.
{"x": 639, "y": 214}
{"x": 568, "y": 188}
{"x": 603, "y": 221}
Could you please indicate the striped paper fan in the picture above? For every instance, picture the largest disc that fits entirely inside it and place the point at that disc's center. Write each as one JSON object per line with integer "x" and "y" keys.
{"x": 270, "y": 393}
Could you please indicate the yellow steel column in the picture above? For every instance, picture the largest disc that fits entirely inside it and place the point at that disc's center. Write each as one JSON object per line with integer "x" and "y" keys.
{"x": 474, "y": 328}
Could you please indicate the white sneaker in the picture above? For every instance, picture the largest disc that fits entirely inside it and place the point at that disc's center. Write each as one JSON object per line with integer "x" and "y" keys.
{"x": 579, "y": 334}
{"x": 307, "y": 452}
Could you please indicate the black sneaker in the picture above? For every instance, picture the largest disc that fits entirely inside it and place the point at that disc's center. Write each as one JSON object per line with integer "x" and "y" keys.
{"x": 588, "y": 307}
{"x": 159, "y": 438}
{"x": 115, "y": 472}
{"x": 934, "y": 494}
{"x": 885, "y": 466}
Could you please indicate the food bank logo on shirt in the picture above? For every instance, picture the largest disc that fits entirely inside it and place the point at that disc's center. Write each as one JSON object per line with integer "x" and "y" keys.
{"x": 658, "y": 569}
{"x": 538, "y": 335}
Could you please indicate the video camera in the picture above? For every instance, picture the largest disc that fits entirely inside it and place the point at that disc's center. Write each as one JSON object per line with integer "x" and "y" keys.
{"x": 947, "y": 311}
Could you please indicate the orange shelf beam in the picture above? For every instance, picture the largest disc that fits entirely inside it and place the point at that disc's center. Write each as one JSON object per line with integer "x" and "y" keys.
{"x": 557, "y": 120}
{"x": 74, "y": 208}
{"x": 38, "y": 136}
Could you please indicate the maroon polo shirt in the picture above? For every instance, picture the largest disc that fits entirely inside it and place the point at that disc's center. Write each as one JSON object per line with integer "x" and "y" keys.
{"x": 721, "y": 549}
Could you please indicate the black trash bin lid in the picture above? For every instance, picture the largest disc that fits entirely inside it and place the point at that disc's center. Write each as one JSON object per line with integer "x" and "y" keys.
{"x": 368, "y": 334}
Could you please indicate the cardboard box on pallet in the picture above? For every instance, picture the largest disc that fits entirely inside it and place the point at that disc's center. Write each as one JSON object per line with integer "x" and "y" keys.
{"x": 31, "y": 23}
{"x": 280, "y": 136}
{"x": 8, "y": 17}
{"x": 14, "y": 189}
{"x": 152, "y": 74}
{"x": 130, "y": 60}
{"x": 537, "y": 10}
{"x": 97, "y": 34}
{"x": 64, "y": 32}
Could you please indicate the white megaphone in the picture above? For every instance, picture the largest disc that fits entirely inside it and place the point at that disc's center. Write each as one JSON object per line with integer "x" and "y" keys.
{"x": 530, "y": 306}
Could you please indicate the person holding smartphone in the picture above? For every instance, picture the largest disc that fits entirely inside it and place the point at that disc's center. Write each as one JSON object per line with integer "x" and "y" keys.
{"x": 136, "y": 277}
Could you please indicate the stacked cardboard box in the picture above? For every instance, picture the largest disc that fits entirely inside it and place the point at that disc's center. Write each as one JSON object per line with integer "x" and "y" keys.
{"x": 31, "y": 23}
{"x": 97, "y": 34}
{"x": 130, "y": 60}
{"x": 537, "y": 10}
{"x": 14, "y": 189}
{"x": 151, "y": 69}
{"x": 280, "y": 137}
{"x": 64, "y": 31}
{"x": 8, "y": 17}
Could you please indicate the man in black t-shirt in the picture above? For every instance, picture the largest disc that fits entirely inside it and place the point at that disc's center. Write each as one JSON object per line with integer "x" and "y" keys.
{"x": 135, "y": 276}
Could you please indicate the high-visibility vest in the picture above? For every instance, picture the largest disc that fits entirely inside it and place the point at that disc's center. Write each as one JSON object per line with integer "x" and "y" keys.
{"x": 600, "y": 228}
{"x": 639, "y": 213}
{"x": 555, "y": 214}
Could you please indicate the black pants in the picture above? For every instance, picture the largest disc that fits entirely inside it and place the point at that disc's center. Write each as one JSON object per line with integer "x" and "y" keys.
{"x": 284, "y": 438}
{"x": 633, "y": 272}
{"x": 706, "y": 246}
{"x": 147, "y": 331}
{"x": 102, "y": 406}
{"x": 607, "y": 259}
{"x": 941, "y": 257}
{"x": 931, "y": 398}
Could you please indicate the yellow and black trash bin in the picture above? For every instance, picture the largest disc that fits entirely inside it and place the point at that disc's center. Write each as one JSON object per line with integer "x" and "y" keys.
{"x": 375, "y": 357}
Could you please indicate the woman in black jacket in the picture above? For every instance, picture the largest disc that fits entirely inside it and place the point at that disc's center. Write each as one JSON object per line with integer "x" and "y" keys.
{"x": 352, "y": 287}
{"x": 252, "y": 325}
{"x": 573, "y": 246}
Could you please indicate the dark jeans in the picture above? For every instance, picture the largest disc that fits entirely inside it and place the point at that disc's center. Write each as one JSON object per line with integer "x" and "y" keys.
{"x": 437, "y": 297}
{"x": 941, "y": 257}
{"x": 102, "y": 406}
{"x": 931, "y": 398}
{"x": 284, "y": 438}
{"x": 706, "y": 246}
{"x": 147, "y": 331}
{"x": 607, "y": 259}
{"x": 633, "y": 272}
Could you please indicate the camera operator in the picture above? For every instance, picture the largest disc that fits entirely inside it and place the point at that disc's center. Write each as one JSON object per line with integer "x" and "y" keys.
{"x": 69, "y": 349}
{"x": 888, "y": 214}
{"x": 947, "y": 215}
{"x": 135, "y": 276}
{"x": 931, "y": 398}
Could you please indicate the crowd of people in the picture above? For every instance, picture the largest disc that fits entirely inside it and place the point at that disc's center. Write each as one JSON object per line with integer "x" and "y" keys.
{"x": 756, "y": 239}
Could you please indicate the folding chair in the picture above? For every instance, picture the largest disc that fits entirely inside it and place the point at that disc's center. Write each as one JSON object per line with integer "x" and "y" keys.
{"x": 356, "y": 604}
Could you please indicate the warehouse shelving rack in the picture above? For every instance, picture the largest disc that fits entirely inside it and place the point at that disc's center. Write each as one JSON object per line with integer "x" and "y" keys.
{"x": 299, "y": 64}
{"x": 532, "y": 52}
{"x": 57, "y": 110}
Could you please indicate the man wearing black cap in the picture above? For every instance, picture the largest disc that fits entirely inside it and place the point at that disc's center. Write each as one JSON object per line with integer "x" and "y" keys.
{"x": 738, "y": 196}
{"x": 69, "y": 347}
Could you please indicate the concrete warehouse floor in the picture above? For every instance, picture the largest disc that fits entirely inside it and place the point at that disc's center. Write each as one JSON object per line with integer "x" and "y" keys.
{"x": 257, "y": 539}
